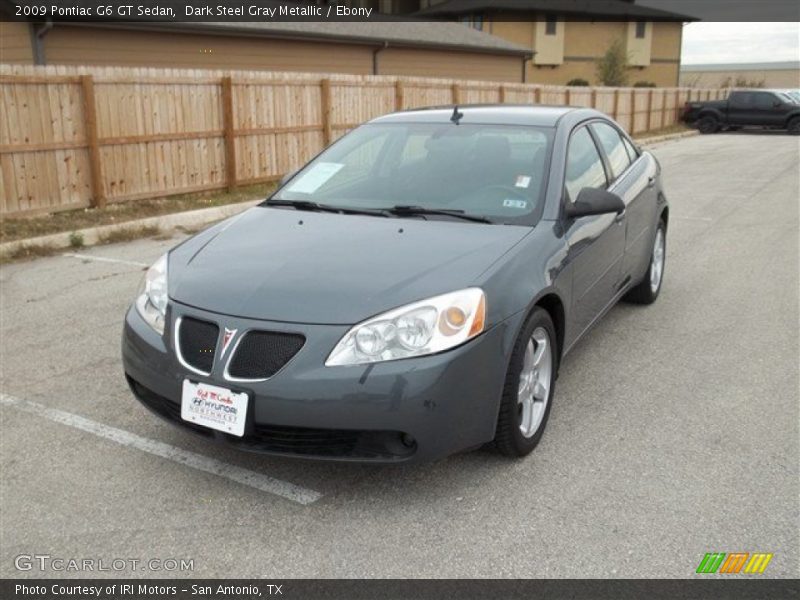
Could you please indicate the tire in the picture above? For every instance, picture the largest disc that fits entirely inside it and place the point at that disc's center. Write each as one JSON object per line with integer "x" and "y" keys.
{"x": 708, "y": 124}
{"x": 647, "y": 290}
{"x": 538, "y": 332}
{"x": 794, "y": 126}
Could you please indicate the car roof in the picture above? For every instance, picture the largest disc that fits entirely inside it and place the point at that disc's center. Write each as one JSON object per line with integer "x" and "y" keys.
{"x": 491, "y": 114}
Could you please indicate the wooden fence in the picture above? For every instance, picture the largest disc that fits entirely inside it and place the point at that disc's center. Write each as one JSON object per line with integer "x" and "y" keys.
{"x": 72, "y": 137}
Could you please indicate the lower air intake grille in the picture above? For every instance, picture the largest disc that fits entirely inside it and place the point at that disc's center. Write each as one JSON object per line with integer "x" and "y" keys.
{"x": 261, "y": 354}
{"x": 198, "y": 342}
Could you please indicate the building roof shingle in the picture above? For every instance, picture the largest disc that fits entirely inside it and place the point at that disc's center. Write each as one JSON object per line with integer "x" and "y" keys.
{"x": 575, "y": 9}
{"x": 405, "y": 33}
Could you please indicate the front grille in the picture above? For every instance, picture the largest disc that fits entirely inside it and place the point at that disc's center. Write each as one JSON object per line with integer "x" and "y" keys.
{"x": 298, "y": 441}
{"x": 198, "y": 342}
{"x": 261, "y": 354}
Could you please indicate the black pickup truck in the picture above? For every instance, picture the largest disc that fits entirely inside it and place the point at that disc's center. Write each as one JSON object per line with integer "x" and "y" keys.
{"x": 750, "y": 108}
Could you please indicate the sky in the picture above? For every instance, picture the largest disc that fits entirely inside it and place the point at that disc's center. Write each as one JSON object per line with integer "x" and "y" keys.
{"x": 709, "y": 42}
{"x": 720, "y": 37}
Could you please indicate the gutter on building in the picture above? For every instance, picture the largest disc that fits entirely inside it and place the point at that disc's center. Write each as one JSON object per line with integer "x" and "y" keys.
{"x": 375, "y": 53}
{"x": 525, "y": 60}
{"x": 38, "y": 31}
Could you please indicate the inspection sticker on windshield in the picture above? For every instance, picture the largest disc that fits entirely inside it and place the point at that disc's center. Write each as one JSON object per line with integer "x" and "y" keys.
{"x": 215, "y": 407}
{"x": 311, "y": 180}
{"x": 523, "y": 181}
{"x": 512, "y": 203}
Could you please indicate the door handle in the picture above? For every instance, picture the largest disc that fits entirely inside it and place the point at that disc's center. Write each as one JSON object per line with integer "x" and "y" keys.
{"x": 651, "y": 181}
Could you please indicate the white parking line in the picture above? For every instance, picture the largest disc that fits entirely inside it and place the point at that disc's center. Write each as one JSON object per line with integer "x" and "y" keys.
{"x": 704, "y": 219}
{"x": 263, "y": 483}
{"x": 104, "y": 259}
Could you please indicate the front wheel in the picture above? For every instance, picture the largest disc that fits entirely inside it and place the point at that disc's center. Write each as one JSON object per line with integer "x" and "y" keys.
{"x": 529, "y": 386}
{"x": 647, "y": 290}
{"x": 708, "y": 124}
{"x": 794, "y": 126}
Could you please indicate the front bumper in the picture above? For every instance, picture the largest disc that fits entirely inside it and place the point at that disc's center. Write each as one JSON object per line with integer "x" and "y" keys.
{"x": 398, "y": 411}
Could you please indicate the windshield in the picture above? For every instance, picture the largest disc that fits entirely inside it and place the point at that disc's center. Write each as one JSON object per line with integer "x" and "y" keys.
{"x": 494, "y": 171}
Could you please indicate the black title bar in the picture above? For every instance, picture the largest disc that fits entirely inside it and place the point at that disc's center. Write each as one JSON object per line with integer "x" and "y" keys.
{"x": 393, "y": 589}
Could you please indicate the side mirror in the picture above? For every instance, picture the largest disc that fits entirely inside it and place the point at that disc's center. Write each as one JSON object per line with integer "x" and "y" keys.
{"x": 285, "y": 179}
{"x": 592, "y": 201}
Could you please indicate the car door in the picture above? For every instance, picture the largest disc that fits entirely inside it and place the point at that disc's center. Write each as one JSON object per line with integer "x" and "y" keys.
{"x": 740, "y": 108}
{"x": 596, "y": 243}
{"x": 776, "y": 108}
{"x": 632, "y": 178}
{"x": 768, "y": 110}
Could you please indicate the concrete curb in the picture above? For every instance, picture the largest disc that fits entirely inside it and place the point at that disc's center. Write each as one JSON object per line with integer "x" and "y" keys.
{"x": 93, "y": 235}
{"x": 651, "y": 141}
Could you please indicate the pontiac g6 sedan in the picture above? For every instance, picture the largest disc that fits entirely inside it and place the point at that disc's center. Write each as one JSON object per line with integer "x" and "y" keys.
{"x": 407, "y": 294}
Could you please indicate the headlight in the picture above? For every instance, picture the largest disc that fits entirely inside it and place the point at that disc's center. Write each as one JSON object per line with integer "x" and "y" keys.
{"x": 424, "y": 327}
{"x": 151, "y": 301}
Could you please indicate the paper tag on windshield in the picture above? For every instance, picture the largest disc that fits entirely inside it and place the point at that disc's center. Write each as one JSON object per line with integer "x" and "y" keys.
{"x": 512, "y": 203}
{"x": 523, "y": 181}
{"x": 311, "y": 180}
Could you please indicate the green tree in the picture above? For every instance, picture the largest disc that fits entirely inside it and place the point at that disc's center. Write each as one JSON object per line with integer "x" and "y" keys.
{"x": 612, "y": 68}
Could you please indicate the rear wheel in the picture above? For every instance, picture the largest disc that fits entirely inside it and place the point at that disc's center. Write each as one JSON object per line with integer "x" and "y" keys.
{"x": 648, "y": 289}
{"x": 708, "y": 124}
{"x": 529, "y": 386}
{"x": 794, "y": 126}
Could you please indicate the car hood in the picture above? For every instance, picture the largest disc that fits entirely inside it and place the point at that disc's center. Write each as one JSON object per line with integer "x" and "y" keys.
{"x": 304, "y": 267}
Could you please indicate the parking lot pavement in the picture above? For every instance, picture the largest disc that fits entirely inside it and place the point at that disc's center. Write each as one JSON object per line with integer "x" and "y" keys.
{"x": 674, "y": 430}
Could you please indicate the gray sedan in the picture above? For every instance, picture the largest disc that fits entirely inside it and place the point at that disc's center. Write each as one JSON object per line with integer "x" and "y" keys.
{"x": 407, "y": 294}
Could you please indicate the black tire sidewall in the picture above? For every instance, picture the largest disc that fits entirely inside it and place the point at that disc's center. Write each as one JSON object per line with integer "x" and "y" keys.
{"x": 707, "y": 124}
{"x": 509, "y": 438}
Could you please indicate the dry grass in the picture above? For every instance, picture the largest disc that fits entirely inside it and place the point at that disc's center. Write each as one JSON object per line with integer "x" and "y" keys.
{"x": 679, "y": 128}
{"x": 128, "y": 234}
{"x": 21, "y": 228}
{"x": 28, "y": 252}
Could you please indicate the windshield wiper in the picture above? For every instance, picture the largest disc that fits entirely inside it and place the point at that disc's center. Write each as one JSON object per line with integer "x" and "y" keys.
{"x": 316, "y": 207}
{"x": 404, "y": 210}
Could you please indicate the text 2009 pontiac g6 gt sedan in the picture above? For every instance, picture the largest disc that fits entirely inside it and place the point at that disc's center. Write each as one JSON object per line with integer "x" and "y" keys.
{"x": 407, "y": 294}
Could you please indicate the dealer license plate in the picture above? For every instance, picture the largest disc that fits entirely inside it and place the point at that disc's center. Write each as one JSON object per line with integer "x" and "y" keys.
{"x": 214, "y": 407}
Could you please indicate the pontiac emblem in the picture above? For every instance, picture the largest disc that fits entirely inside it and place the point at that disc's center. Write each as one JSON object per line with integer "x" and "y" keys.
{"x": 227, "y": 338}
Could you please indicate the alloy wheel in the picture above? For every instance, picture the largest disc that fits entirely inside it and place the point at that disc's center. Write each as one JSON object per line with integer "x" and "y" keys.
{"x": 657, "y": 261}
{"x": 535, "y": 380}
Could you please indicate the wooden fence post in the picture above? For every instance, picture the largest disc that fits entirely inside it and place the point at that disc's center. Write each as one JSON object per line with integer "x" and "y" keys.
{"x": 399, "y": 93}
{"x": 456, "y": 90}
{"x": 633, "y": 110}
{"x": 650, "y": 110}
{"x": 568, "y": 97}
{"x": 616, "y": 105}
{"x": 90, "y": 118}
{"x": 228, "y": 132}
{"x": 677, "y": 105}
{"x": 325, "y": 106}
{"x": 501, "y": 94}
{"x": 537, "y": 95}
{"x": 594, "y": 98}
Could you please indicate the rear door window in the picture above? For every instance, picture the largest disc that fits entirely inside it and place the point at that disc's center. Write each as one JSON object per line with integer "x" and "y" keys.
{"x": 633, "y": 154}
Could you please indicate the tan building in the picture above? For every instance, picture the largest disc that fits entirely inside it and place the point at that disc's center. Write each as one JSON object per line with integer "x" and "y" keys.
{"x": 569, "y": 37}
{"x": 769, "y": 75}
{"x": 423, "y": 49}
